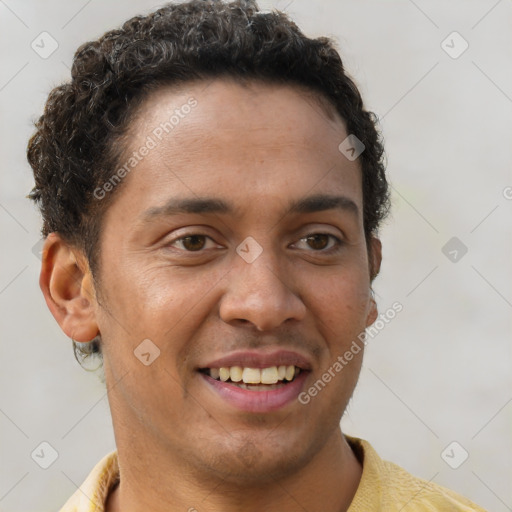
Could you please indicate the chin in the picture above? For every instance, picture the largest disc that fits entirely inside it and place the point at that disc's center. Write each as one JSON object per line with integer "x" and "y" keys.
{"x": 259, "y": 461}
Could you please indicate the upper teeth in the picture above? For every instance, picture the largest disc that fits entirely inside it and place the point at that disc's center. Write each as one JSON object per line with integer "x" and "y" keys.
{"x": 270, "y": 375}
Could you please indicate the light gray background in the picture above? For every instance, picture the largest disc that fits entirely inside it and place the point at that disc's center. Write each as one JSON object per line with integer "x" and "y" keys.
{"x": 439, "y": 372}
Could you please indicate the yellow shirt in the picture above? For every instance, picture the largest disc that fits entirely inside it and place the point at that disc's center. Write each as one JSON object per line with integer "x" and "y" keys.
{"x": 384, "y": 487}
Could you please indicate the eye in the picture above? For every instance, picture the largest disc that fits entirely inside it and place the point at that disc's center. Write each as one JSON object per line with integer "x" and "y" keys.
{"x": 191, "y": 243}
{"x": 322, "y": 242}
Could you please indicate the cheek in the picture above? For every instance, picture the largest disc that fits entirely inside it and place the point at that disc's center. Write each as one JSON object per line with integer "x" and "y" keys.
{"x": 148, "y": 395}
{"x": 152, "y": 300}
{"x": 341, "y": 301}
{"x": 159, "y": 304}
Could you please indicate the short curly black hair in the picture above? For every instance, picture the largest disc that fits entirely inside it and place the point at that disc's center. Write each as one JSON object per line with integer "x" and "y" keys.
{"x": 76, "y": 145}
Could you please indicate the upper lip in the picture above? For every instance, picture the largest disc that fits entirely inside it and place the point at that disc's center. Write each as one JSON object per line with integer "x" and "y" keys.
{"x": 255, "y": 359}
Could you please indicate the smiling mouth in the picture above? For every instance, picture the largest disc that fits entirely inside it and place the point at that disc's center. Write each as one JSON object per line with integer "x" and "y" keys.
{"x": 254, "y": 379}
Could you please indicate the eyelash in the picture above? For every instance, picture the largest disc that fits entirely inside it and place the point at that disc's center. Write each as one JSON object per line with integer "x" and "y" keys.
{"x": 332, "y": 250}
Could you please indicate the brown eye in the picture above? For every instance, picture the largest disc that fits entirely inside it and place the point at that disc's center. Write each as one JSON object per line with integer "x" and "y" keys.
{"x": 318, "y": 242}
{"x": 323, "y": 243}
{"x": 193, "y": 242}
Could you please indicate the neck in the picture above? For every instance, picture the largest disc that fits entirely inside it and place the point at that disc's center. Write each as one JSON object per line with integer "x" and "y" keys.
{"x": 158, "y": 483}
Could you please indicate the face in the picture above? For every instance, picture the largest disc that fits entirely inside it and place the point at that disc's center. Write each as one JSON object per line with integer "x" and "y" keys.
{"x": 235, "y": 247}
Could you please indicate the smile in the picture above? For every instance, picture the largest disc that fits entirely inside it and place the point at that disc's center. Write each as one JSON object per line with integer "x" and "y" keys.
{"x": 256, "y": 382}
{"x": 255, "y": 379}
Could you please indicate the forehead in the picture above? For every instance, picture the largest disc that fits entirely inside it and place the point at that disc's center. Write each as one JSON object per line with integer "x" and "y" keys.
{"x": 252, "y": 141}
{"x": 229, "y": 98}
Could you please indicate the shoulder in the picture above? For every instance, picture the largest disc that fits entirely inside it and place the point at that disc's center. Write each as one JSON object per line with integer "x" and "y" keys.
{"x": 387, "y": 487}
{"x": 418, "y": 494}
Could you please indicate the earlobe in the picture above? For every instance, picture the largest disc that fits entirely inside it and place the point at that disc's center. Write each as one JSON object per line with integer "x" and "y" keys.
{"x": 67, "y": 286}
{"x": 373, "y": 311}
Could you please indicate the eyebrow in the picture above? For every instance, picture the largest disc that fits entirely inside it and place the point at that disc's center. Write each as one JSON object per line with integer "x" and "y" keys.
{"x": 210, "y": 205}
{"x": 322, "y": 202}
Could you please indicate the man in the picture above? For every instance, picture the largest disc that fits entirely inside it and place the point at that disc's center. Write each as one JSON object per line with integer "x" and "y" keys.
{"x": 211, "y": 189}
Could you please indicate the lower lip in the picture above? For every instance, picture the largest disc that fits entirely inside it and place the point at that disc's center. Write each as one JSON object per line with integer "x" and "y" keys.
{"x": 258, "y": 401}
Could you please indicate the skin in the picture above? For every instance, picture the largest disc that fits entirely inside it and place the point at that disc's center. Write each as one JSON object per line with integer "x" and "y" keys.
{"x": 258, "y": 147}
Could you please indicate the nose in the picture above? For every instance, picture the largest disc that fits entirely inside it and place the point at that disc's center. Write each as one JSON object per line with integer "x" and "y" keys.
{"x": 260, "y": 294}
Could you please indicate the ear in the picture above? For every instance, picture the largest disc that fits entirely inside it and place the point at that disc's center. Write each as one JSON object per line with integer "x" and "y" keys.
{"x": 375, "y": 259}
{"x": 67, "y": 285}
